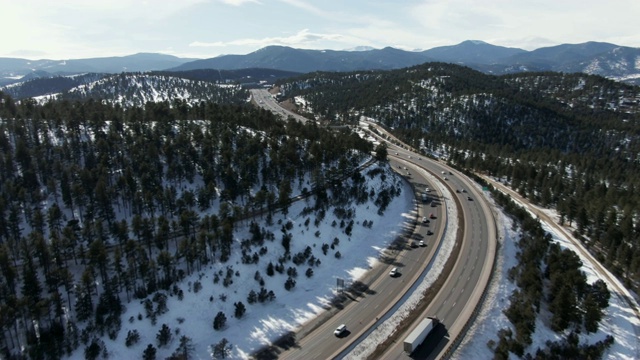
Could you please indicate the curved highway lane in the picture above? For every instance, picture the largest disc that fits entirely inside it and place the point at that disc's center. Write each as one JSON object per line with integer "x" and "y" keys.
{"x": 457, "y": 299}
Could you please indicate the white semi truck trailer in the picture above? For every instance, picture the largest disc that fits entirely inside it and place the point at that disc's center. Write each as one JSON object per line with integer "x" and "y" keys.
{"x": 417, "y": 336}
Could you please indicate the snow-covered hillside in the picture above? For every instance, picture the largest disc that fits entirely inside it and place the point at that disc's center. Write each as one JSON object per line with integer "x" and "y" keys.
{"x": 137, "y": 89}
{"x": 204, "y": 293}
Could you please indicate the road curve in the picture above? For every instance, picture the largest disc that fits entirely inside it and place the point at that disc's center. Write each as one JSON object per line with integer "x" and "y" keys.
{"x": 454, "y": 304}
{"x": 383, "y": 292}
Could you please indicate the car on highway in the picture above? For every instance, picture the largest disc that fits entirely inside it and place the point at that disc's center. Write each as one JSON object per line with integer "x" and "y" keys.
{"x": 446, "y": 178}
{"x": 432, "y": 216}
{"x": 429, "y": 232}
{"x": 427, "y": 190}
{"x": 414, "y": 244}
{"x": 425, "y": 220}
{"x": 422, "y": 243}
{"x": 393, "y": 272}
{"x": 469, "y": 198}
{"x": 340, "y": 330}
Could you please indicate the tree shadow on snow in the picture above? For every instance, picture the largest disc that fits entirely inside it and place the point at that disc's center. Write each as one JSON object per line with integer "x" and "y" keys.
{"x": 284, "y": 343}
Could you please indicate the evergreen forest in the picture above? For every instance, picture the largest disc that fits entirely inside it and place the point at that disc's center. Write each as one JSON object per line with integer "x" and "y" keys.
{"x": 565, "y": 141}
{"x": 103, "y": 204}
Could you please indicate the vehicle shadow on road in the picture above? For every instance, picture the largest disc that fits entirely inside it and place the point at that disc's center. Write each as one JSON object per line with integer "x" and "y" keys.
{"x": 436, "y": 342}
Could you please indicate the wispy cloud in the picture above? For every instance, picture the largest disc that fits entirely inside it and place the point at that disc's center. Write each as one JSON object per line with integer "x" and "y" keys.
{"x": 239, "y": 2}
{"x": 308, "y": 7}
{"x": 345, "y": 17}
{"x": 302, "y": 37}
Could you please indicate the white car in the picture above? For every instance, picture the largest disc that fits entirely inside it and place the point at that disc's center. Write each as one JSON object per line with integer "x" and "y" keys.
{"x": 393, "y": 272}
{"x": 422, "y": 244}
{"x": 340, "y": 330}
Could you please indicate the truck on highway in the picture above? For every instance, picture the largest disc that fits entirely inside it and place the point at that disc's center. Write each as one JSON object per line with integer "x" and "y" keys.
{"x": 417, "y": 336}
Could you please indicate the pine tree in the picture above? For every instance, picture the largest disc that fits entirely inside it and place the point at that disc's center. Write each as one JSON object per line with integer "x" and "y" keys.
{"x": 149, "y": 353}
{"x": 185, "y": 349}
{"x": 219, "y": 321}
{"x": 84, "y": 303}
{"x": 164, "y": 335}
{"x": 240, "y": 309}
{"x": 592, "y": 314}
{"x": 31, "y": 288}
{"x": 222, "y": 349}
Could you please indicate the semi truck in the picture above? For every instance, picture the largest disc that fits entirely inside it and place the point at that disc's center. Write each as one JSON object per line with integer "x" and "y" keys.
{"x": 417, "y": 336}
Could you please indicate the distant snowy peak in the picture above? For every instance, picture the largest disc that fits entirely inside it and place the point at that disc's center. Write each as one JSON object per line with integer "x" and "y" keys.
{"x": 620, "y": 64}
{"x": 360, "y": 48}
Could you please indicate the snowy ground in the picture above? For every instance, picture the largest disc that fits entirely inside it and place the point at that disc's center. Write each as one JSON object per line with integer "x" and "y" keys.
{"x": 263, "y": 323}
{"x": 618, "y": 320}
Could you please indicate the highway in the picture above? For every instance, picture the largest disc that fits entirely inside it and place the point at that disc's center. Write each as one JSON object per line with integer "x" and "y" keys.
{"x": 453, "y": 304}
{"x": 265, "y": 100}
{"x": 457, "y": 299}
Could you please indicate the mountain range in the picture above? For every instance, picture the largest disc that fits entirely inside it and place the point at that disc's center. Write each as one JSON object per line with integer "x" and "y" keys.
{"x": 616, "y": 62}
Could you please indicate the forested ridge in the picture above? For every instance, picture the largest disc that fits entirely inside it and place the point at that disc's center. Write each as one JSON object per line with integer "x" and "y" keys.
{"x": 137, "y": 198}
{"x": 136, "y": 89}
{"x": 568, "y": 141}
{"x": 565, "y": 141}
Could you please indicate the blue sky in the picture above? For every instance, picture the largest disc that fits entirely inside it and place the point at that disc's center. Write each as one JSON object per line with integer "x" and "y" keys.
{"x": 70, "y": 29}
